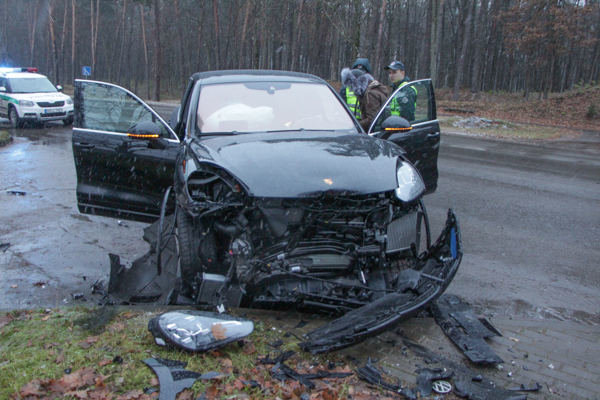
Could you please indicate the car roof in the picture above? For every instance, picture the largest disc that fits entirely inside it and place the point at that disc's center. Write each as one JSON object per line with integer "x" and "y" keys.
{"x": 21, "y": 75}
{"x": 246, "y": 75}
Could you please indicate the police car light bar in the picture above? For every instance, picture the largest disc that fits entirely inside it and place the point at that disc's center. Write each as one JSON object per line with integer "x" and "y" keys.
{"x": 18, "y": 69}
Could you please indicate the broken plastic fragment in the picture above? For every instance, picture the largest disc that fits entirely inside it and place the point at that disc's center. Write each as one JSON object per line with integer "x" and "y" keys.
{"x": 465, "y": 329}
{"x": 197, "y": 330}
{"x": 173, "y": 377}
{"x": 372, "y": 375}
{"x": 526, "y": 388}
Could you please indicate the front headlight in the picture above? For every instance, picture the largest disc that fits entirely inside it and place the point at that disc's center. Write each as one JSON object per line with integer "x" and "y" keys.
{"x": 69, "y": 100}
{"x": 26, "y": 103}
{"x": 410, "y": 183}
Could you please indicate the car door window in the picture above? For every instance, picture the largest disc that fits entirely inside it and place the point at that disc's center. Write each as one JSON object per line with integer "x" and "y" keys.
{"x": 413, "y": 101}
{"x": 110, "y": 108}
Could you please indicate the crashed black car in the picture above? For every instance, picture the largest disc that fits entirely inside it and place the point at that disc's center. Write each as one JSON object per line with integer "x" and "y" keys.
{"x": 280, "y": 198}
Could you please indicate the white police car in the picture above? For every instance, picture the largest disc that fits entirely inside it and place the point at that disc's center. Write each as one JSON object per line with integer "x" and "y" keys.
{"x": 28, "y": 96}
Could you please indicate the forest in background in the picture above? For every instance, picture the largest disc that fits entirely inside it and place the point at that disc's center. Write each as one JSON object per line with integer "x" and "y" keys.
{"x": 153, "y": 46}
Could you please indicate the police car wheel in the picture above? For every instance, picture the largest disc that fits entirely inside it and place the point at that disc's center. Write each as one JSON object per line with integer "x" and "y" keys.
{"x": 14, "y": 118}
{"x": 67, "y": 121}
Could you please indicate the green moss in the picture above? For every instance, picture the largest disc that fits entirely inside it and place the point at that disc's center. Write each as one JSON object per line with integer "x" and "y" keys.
{"x": 5, "y": 138}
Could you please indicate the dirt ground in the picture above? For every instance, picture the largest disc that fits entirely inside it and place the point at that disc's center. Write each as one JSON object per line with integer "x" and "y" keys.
{"x": 575, "y": 109}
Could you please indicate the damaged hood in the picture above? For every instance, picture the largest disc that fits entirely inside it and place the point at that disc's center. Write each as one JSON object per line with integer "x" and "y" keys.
{"x": 304, "y": 164}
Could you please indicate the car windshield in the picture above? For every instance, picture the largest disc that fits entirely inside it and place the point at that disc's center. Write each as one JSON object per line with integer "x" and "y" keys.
{"x": 31, "y": 85}
{"x": 270, "y": 106}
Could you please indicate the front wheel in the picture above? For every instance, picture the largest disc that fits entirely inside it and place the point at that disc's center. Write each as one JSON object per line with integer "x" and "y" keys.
{"x": 13, "y": 116}
{"x": 188, "y": 242}
{"x": 67, "y": 121}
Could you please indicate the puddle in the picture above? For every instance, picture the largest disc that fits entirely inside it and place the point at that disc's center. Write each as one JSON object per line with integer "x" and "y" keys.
{"x": 48, "y": 134}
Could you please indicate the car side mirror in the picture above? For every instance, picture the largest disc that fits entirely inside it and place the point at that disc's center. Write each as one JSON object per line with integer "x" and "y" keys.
{"x": 393, "y": 124}
{"x": 59, "y": 88}
{"x": 144, "y": 130}
{"x": 149, "y": 131}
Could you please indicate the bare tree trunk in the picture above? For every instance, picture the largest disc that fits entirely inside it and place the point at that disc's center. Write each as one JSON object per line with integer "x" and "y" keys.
{"x": 146, "y": 62}
{"x": 94, "y": 17}
{"x": 4, "y": 34}
{"x": 243, "y": 38}
{"x": 481, "y": 30}
{"x": 53, "y": 52}
{"x": 33, "y": 29}
{"x": 157, "y": 52}
{"x": 122, "y": 44}
{"x": 377, "y": 65}
{"x": 216, "y": 26}
{"x": 463, "y": 52}
{"x": 296, "y": 41}
{"x": 73, "y": 39}
{"x": 436, "y": 7}
{"x": 61, "y": 50}
{"x": 182, "y": 64}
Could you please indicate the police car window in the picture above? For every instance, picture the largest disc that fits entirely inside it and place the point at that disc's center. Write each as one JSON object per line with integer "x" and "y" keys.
{"x": 31, "y": 85}
{"x": 109, "y": 108}
{"x": 411, "y": 102}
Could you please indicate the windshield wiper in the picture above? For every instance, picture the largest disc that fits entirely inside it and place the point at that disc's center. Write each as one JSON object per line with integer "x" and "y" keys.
{"x": 301, "y": 130}
{"x": 230, "y": 133}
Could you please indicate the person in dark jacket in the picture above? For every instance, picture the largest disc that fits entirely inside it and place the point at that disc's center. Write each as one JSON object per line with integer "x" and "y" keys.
{"x": 360, "y": 66}
{"x": 370, "y": 93}
{"x": 404, "y": 104}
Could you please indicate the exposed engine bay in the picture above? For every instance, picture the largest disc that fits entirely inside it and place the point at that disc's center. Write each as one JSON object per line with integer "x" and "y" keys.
{"x": 333, "y": 252}
{"x": 358, "y": 255}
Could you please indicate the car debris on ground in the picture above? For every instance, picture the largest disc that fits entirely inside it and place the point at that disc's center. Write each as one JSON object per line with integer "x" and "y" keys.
{"x": 173, "y": 377}
{"x": 193, "y": 330}
{"x": 465, "y": 329}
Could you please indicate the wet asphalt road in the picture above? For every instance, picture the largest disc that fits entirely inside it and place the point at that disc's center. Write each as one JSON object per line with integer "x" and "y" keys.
{"x": 530, "y": 219}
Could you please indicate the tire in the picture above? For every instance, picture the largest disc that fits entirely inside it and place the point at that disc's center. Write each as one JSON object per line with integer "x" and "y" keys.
{"x": 188, "y": 241}
{"x": 13, "y": 116}
{"x": 67, "y": 121}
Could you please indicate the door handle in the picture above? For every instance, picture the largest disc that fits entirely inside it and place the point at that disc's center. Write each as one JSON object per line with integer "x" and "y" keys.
{"x": 433, "y": 135}
{"x": 86, "y": 146}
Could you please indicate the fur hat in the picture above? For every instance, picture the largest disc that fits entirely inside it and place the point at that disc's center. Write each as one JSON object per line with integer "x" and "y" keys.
{"x": 357, "y": 80}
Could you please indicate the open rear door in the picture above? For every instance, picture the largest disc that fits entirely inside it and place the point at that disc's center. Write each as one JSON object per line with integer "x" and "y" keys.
{"x": 415, "y": 101}
{"x": 124, "y": 153}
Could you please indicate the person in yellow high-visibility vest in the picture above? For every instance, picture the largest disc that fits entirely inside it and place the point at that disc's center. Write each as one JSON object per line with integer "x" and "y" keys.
{"x": 351, "y": 99}
{"x": 404, "y": 104}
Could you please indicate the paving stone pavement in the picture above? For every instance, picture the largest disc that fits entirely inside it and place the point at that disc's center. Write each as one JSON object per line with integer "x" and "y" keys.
{"x": 562, "y": 356}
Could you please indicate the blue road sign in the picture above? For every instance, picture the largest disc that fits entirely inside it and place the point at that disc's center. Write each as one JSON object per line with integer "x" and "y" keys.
{"x": 86, "y": 71}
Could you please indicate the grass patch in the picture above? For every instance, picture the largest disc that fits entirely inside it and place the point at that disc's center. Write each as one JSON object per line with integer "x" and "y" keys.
{"x": 43, "y": 344}
{"x": 5, "y": 138}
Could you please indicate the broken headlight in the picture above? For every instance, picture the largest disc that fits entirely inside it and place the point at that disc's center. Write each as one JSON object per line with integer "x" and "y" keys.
{"x": 196, "y": 330}
{"x": 410, "y": 183}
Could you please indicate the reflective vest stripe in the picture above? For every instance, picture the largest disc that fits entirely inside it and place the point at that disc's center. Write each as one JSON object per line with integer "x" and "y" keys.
{"x": 395, "y": 106}
{"x": 352, "y": 102}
